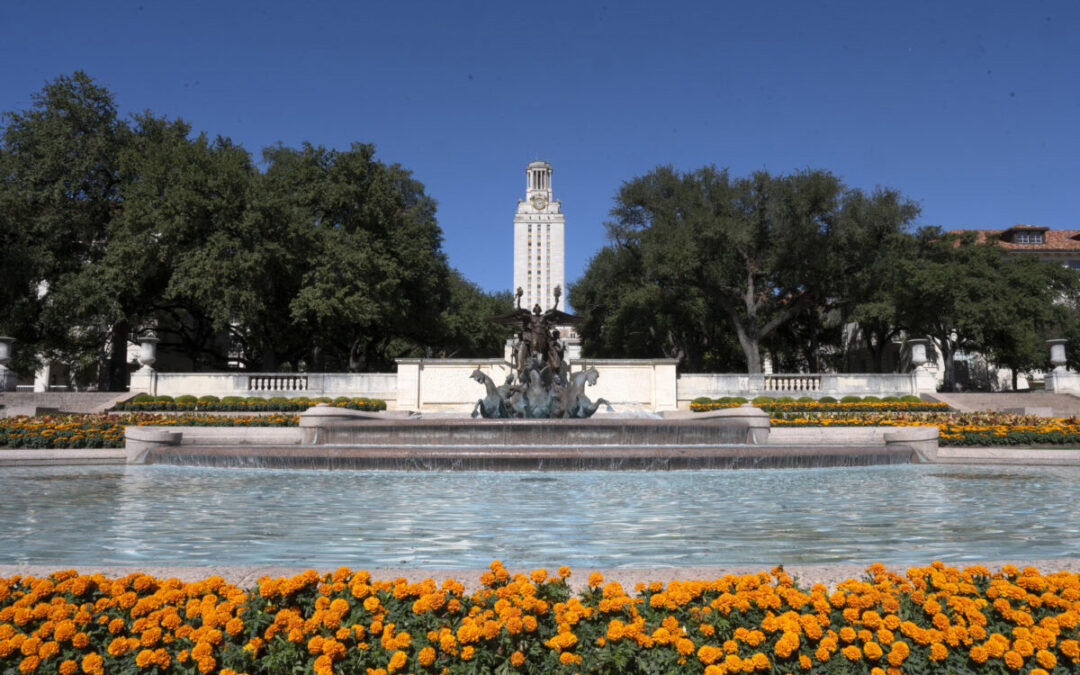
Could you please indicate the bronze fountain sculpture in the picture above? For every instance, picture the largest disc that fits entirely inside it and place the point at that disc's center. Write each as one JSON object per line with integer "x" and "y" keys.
{"x": 540, "y": 384}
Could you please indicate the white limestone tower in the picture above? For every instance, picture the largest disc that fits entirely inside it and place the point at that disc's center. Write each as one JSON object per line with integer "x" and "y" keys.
{"x": 538, "y": 241}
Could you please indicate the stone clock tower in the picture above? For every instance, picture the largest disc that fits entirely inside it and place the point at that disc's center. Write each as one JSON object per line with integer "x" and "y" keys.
{"x": 538, "y": 241}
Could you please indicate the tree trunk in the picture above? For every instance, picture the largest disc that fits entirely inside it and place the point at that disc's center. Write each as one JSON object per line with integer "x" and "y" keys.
{"x": 112, "y": 367}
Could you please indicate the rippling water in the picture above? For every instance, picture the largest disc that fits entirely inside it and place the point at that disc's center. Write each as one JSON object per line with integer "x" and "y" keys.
{"x": 156, "y": 515}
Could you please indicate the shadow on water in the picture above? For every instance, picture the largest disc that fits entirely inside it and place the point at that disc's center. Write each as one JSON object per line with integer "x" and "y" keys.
{"x": 957, "y": 475}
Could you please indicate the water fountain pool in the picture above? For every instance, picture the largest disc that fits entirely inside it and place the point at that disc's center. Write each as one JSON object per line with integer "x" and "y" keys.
{"x": 898, "y": 514}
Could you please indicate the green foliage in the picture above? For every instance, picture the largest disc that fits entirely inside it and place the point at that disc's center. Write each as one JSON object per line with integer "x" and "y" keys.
{"x": 805, "y": 399}
{"x": 329, "y": 259}
{"x": 826, "y": 399}
{"x": 910, "y": 398}
{"x": 871, "y": 399}
{"x": 785, "y": 399}
{"x": 890, "y": 399}
{"x": 758, "y": 400}
{"x": 699, "y": 257}
{"x": 851, "y": 399}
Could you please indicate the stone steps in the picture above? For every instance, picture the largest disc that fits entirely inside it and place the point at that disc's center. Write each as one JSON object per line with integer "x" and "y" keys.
{"x": 1036, "y": 402}
{"x": 32, "y": 403}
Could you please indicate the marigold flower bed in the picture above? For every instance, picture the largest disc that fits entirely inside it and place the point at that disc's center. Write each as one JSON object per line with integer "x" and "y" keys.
{"x": 147, "y": 403}
{"x": 774, "y": 407}
{"x": 935, "y": 619}
{"x": 961, "y": 429}
{"x": 107, "y": 431}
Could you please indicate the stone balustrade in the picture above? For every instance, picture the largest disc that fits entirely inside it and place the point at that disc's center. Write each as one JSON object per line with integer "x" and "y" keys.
{"x": 802, "y": 384}
{"x": 444, "y": 384}
{"x": 276, "y": 383}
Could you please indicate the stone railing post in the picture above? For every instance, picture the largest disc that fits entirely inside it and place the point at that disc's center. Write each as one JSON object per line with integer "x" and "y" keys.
{"x": 9, "y": 381}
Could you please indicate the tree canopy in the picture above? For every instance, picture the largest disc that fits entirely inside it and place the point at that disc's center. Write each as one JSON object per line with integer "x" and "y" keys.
{"x": 111, "y": 228}
{"x": 719, "y": 271}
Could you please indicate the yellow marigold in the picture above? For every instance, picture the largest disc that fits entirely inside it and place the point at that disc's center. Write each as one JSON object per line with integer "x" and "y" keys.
{"x": 596, "y": 579}
{"x": 872, "y": 651}
{"x": 1013, "y": 660}
{"x": 1046, "y": 659}
{"x": 851, "y": 653}
{"x": 93, "y": 664}
{"x": 334, "y": 649}
{"x": 938, "y": 652}
{"x": 684, "y": 646}
{"x": 426, "y": 656}
{"x": 397, "y": 662}
{"x": 760, "y": 661}
{"x": 978, "y": 654}
{"x": 29, "y": 664}
{"x": 804, "y": 662}
{"x": 467, "y": 652}
{"x": 68, "y": 667}
{"x": 563, "y": 572}
{"x": 538, "y": 575}
{"x": 144, "y": 658}
{"x": 1070, "y": 648}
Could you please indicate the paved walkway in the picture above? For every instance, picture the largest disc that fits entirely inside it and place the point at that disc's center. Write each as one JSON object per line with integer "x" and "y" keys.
{"x": 1060, "y": 405}
{"x": 805, "y": 575}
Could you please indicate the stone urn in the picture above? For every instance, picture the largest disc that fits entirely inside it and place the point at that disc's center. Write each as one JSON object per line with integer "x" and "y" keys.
{"x": 1057, "y": 355}
{"x": 918, "y": 352}
{"x": 148, "y": 352}
{"x": 8, "y": 379}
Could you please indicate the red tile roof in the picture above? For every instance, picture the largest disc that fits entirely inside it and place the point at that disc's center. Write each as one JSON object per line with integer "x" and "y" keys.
{"x": 1055, "y": 240}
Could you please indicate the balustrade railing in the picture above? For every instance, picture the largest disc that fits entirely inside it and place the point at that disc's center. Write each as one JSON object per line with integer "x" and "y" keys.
{"x": 792, "y": 383}
{"x": 277, "y": 383}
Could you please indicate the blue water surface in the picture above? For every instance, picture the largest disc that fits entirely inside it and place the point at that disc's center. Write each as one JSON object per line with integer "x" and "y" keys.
{"x": 908, "y": 514}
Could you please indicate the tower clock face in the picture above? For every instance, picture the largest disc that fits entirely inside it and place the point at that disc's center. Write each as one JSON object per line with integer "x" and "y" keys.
{"x": 539, "y": 203}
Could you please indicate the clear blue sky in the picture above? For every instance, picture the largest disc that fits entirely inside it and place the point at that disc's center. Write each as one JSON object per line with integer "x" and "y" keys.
{"x": 969, "y": 108}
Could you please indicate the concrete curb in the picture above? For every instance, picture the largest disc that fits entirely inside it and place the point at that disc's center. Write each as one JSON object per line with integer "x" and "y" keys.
{"x": 247, "y": 576}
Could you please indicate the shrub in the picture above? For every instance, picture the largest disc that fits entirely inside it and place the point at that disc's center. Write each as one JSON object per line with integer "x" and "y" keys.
{"x": 826, "y": 399}
{"x": 890, "y": 399}
{"x": 785, "y": 399}
{"x": 738, "y": 399}
{"x": 805, "y": 399}
{"x": 163, "y": 399}
{"x": 910, "y": 398}
{"x": 762, "y": 399}
{"x": 186, "y": 399}
{"x": 871, "y": 399}
{"x": 851, "y": 399}
{"x": 141, "y": 398}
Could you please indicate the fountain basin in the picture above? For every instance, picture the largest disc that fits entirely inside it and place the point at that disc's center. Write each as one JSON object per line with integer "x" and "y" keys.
{"x": 565, "y": 457}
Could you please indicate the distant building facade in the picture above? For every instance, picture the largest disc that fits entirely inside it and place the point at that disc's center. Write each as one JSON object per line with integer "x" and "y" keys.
{"x": 539, "y": 255}
{"x": 1057, "y": 246}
